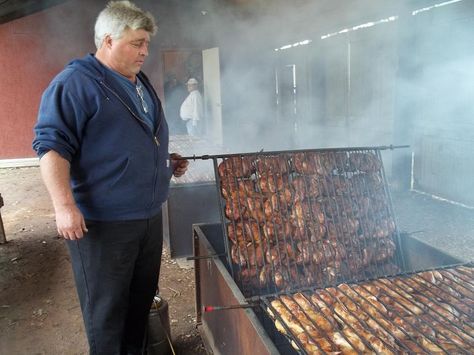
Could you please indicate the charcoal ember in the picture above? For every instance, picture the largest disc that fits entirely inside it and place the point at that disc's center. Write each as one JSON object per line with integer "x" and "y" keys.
{"x": 238, "y": 166}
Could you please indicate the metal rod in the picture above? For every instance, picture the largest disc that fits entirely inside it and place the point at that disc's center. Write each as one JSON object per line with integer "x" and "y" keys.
{"x": 201, "y": 257}
{"x": 223, "y": 308}
{"x": 262, "y": 152}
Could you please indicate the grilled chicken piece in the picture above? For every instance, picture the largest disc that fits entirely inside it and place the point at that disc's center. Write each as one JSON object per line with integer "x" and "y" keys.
{"x": 272, "y": 164}
{"x": 430, "y": 346}
{"x": 239, "y": 166}
{"x": 345, "y": 346}
{"x": 401, "y": 301}
{"x": 312, "y": 232}
{"x": 254, "y": 206}
{"x": 271, "y": 183}
{"x": 236, "y": 210}
{"x": 231, "y": 188}
{"x": 317, "y": 345}
{"x": 306, "y": 187}
{"x": 243, "y": 232}
{"x": 322, "y": 321}
{"x": 304, "y": 164}
{"x": 247, "y": 256}
{"x": 411, "y": 346}
{"x": 281, "y": 232}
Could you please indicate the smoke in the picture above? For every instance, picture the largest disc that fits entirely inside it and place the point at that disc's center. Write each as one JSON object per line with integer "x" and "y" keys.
{"x": 369, "y": 76}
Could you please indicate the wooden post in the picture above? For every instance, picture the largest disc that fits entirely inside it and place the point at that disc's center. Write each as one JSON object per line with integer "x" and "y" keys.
{"x": 3, "y": 238}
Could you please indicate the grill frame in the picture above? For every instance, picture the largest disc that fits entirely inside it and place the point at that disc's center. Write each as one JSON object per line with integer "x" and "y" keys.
{"x": 272, "y": 288}
{"x": 341, "y": 170}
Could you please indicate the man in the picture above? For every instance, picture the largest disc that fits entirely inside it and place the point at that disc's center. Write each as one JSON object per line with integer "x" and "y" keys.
{"x": 175, "y": 93}
{"x": 102, "y": 140}
{"x": 192, "y": 108}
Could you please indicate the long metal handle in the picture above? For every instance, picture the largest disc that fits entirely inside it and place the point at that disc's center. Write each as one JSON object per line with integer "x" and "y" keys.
{"x": 207, "y": 156}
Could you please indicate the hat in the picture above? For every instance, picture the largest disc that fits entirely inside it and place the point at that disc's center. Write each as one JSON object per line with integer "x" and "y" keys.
{"x": 192, "y": 81}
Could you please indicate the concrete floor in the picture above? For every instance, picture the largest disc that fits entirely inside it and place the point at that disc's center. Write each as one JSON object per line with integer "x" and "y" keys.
{"x": 445, "y": 226}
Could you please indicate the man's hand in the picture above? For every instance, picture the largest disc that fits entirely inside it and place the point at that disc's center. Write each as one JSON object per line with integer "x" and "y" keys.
{"x": 179, "y": 166}
{"x": 70, "y": 222}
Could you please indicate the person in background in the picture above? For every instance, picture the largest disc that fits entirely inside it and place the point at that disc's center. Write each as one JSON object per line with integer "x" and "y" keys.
{"x": 175, "y": 93}
{"x": 192, "y": 108}
{"x": 102, "y": 139}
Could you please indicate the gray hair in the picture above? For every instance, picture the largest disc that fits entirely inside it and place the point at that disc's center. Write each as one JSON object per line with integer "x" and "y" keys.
{"x": 119, "y": 16}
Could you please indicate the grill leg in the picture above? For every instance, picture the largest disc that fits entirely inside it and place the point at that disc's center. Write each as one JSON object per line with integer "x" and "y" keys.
{"x": 3, "y": 238}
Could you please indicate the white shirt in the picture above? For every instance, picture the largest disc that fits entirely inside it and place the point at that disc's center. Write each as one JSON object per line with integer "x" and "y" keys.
{"x": 192, "y": 107}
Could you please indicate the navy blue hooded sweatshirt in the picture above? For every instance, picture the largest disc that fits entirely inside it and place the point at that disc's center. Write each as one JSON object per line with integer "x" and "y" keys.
{"x": 119, "y": 167}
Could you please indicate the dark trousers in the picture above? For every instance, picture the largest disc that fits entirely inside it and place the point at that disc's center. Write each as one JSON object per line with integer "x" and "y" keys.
{"x": 116, "y": 267}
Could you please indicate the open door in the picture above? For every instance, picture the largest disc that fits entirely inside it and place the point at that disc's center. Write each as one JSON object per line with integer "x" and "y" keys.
{"x": 212, "y": 95}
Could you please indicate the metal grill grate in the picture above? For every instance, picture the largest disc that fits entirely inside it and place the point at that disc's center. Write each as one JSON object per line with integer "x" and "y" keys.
{"x": 306, "y": 218}
{"x": 426, "y": 312}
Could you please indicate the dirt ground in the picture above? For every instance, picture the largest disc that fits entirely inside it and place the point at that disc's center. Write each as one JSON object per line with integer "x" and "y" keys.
{"x": 39, "y": 308}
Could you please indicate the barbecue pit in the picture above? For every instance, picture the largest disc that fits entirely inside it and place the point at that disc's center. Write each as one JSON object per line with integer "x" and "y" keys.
{"x": 310, "y": 251}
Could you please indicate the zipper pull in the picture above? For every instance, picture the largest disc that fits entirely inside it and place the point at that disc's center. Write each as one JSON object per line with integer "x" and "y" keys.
{"x": 157, "y": 141}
